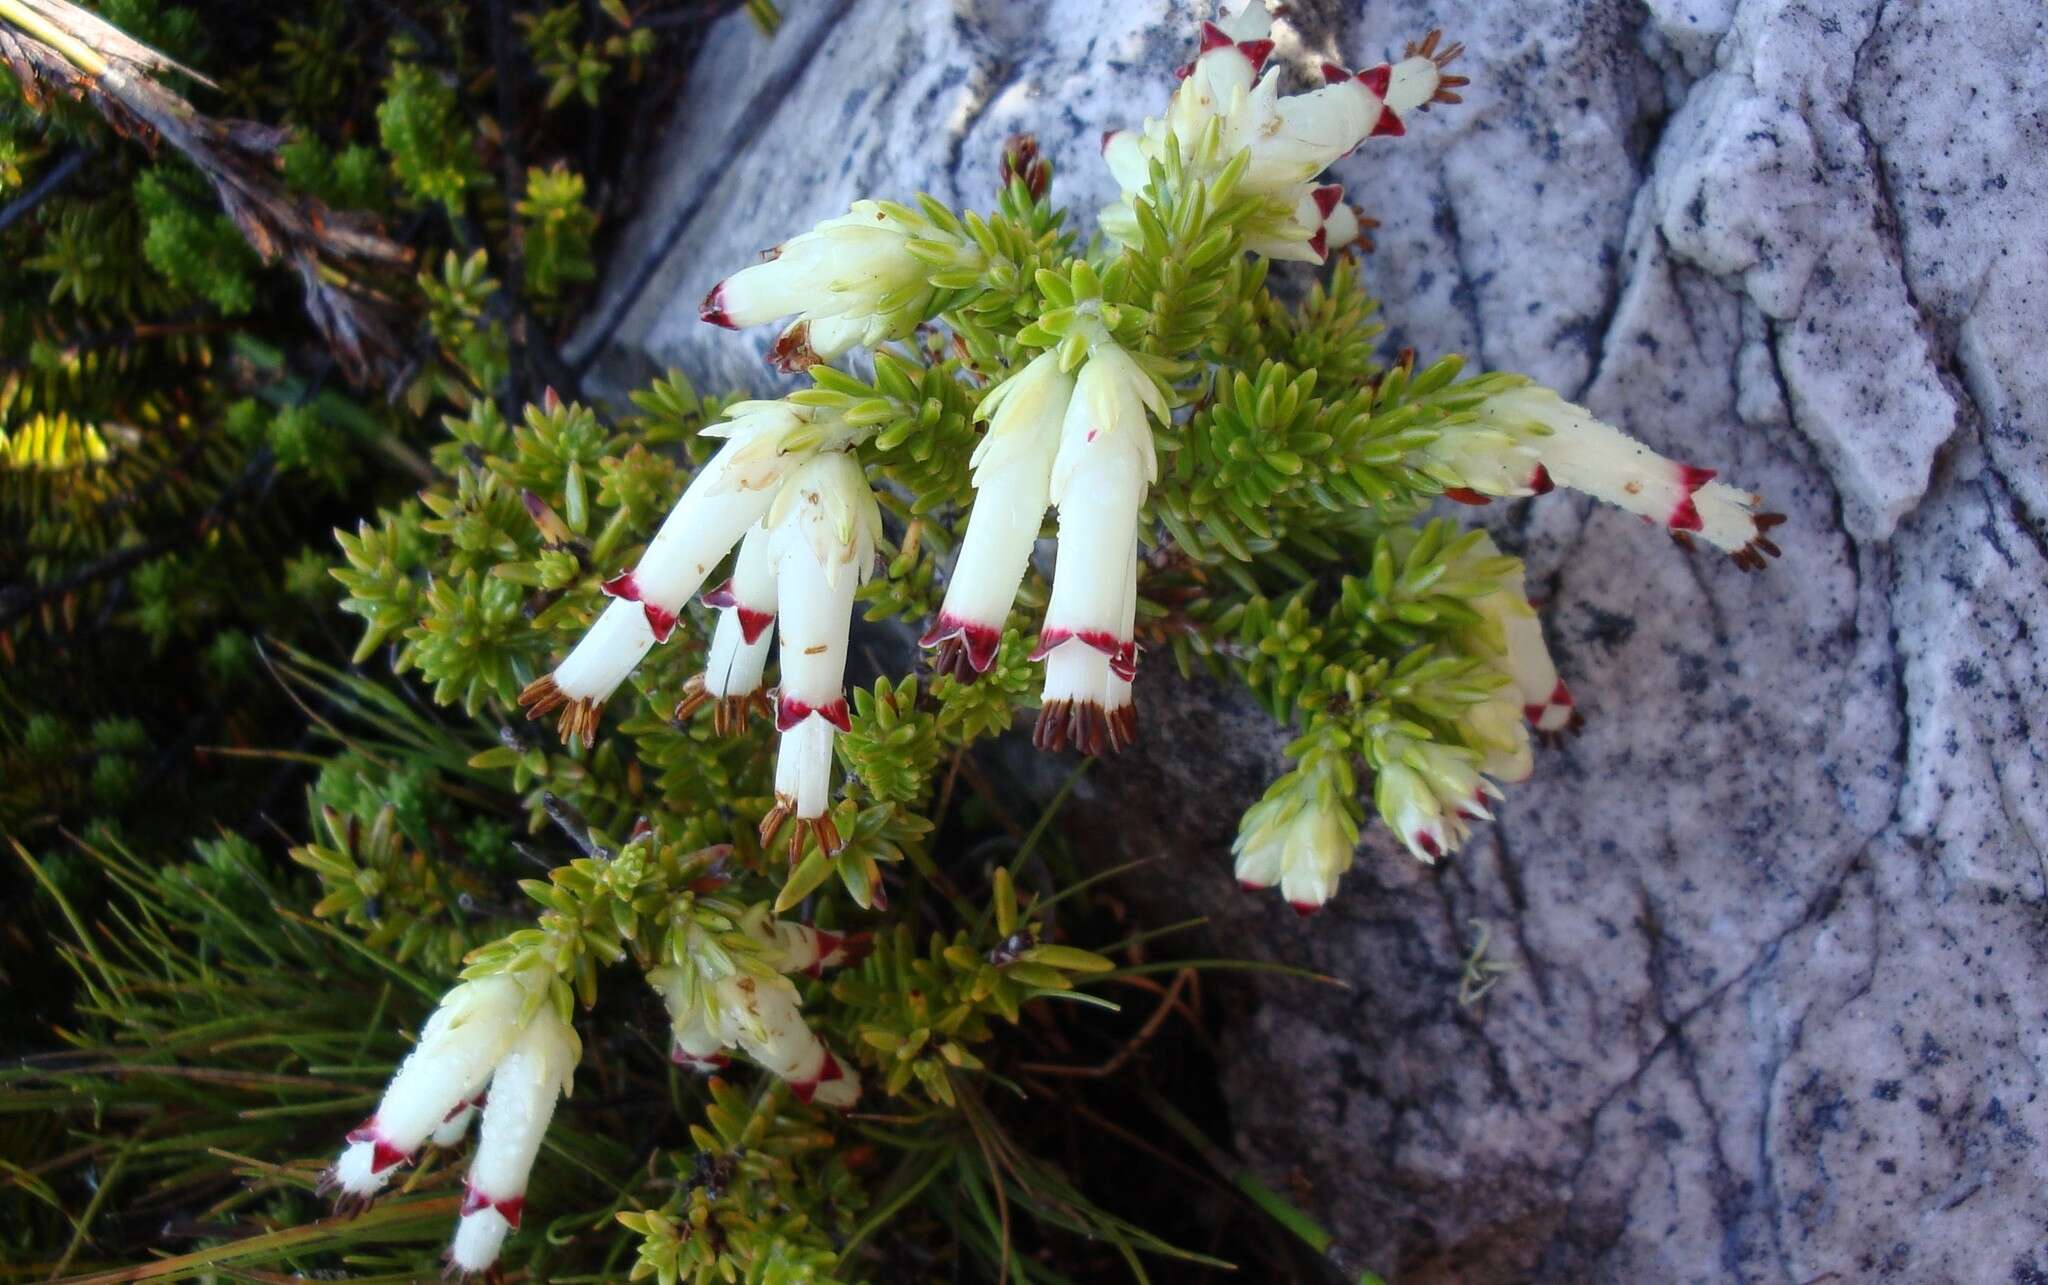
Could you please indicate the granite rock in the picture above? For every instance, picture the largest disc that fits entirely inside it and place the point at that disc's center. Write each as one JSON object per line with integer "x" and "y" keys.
{"x": 1778, "y": 922}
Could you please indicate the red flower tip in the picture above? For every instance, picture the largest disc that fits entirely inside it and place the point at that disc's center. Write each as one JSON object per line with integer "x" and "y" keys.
{"x": 1539, "y": 481}
{"x": 1693, "y": 478}
{"x": 1246, "y": 885}
{"x": 1428, "y": 843}
{"x": 659, "y": 619}
{"x": 382, "y": 1154}
{"x": 1684, "y": 516}
{"x": 1256, "y": 50}
{"x": 979, "y": 641}
{"x": 1213, "y": 37}
{"x": 1334, "y": 75}
{"x": 789, "y": 712}
{"x": 1319, "y": 244}
{"x": 1327, "y": 197}
{"x": 1561, "y": 695}
{"x": 713, "y": 308}
{"x": 621, "y": 586}
{"x": 1305, "y": 909}
{"x": 1465, "y": 495}
{"x": 753, "y": 623}
{"x": 828, "y": 1071}
{"x": 509, "y": 1208}
{"x": 721, "y": 596}
{"x": 1376, "y": 79}
{"x": 1388, "y": 125}
{"x": 1108, "y": 134}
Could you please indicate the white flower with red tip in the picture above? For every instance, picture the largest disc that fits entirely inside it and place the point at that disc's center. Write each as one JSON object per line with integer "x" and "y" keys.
{"x": 1415, "y": 814}
{"x": 1429, "y": 794}
{"x": 756, "y": 1010}
{"x": 1012, "y": 482}
{"x": 765, "y": 442}
{"x": 732, "y": 679}
{"x": 1301, "y": 835}
{"x": 1104, "y": 466}
{"x": 822, "y": 534}
{"x": 1526, "y": 440}
{"x": 1521, "y": 654}
{"x": 849, "y": 281}
{"x": 1287, "y": 141}
{"x": 497, "y": 1043}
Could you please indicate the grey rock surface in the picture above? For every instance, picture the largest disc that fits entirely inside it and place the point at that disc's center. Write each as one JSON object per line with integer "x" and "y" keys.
{"x": 1779, "y": 920}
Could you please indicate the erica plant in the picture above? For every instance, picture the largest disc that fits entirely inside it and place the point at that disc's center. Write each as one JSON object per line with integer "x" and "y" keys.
{"x": 1236, "y": 482}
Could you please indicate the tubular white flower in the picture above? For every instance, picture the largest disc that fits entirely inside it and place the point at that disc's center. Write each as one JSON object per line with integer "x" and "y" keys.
{"x": 1415, "y": 814}
{"x": 1120, "y": 712}
{"x": 1525, "y": 658}
{"x": 847, "y": 281}
{"x": 438, "y": 1082}
{"x": 536, "y": 1071}
{"x": 696, "y": 1024}
{"x": 732, "y": 677}
{"x": 765, "y": 442}
{"x": 1527, "y": 439}
{"x": 767, "y": 1025}
{"x": 759, "y": 1014}
{"x": 1100, "y": 475}
{"x": 823, "y": 530}
{"x": 800, "y": 948}
{"x": 1012, "y": 481}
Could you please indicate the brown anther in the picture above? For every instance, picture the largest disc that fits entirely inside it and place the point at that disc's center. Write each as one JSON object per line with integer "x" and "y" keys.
{"x": 951, "y": 658}
{"x": 1681, "y": 539}
{"x": 540, "y": 696}
{"x": 1022, "y": 161}
{"x": 578, "y": 718}
{"x": 694, "y": 699}
{"x": 1753, "y": 556}
{"x": 579, "y": 721}
{"x": 826, "y": 833}
{"x": 792, "y": 353}
{"x": 782, "y": 811}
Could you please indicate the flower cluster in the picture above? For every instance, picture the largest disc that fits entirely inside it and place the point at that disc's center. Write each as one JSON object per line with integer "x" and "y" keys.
{"x": 1405, "y": 651}
{"x": 785, "y": 488}
{"x": 498, "y": 1046}
{"x": 1081, "y": 443}
{"x": 722, "y": 1001}
{"x": 1074, "y": 396}
{"x": 1225, "y": 108}
{"x": 851, "y": 281}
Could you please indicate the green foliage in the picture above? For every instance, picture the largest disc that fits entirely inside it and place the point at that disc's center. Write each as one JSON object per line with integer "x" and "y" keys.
{"x": 425, "y": 132}
{"x": 742, "y": 1206}
{"x": 174, "y": 443}
{"x": 556, "y": 227}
